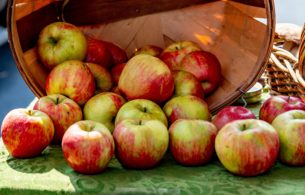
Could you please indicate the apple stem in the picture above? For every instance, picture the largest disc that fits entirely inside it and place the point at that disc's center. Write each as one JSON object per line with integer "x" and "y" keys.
{"x": 30, "y": 112}
{"x": 57, "y": 100}
{"x": 144, "y": 109}
{"x": 140, "y": 122}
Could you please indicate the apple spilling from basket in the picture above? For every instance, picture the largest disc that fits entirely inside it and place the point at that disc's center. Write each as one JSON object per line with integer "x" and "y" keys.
{"x": 100, "y": 103}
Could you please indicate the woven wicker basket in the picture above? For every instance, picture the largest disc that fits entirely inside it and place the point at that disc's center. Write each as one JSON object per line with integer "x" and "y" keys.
{"x": 284, "y": 72}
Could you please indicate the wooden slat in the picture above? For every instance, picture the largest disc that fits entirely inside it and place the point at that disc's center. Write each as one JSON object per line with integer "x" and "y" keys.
{"x": 26, "y": 7}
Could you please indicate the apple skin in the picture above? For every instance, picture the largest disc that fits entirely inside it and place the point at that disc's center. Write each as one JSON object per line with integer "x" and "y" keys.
{"x": 206, "y": 68}
{"x": 187, "y": 84}
{"x": 141, "y": 109}
{"x": 26, "y": 133}
{"x": 98, "y": 52}
{"x": 186, "y": 107}
{"x": 59, "y": 42}
{"x": 247, "y": 147}
{"x": 146, "y": 77}
{"x": 116, "y": 72}
{"x": 103, "y": 108}
{"x": 173, "y": 54}
{"x": 231, "y": 113}
{"x": 88, "y": 147}
{"x": 102, "y": 77}
{"x": 191, "y": 142}
{"x": 118, "y": 55}
{"x": 63, "y": 112}
{"x": 73, "y": 79}
{"x": 152, "y": 50}
{"x": 290, "y": 126}
{"x": 276, "y": 105}
{"x": 140, "y": 144}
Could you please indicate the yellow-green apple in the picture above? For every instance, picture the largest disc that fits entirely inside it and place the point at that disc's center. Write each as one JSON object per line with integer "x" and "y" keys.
{"x": 187, "y": 84}
{"x": 59, "y": 42}
{"x": 116, "y": 72}
{"x": 73, "y": 79}
{"x": 276, "y": 105}
{"x": 103, "y": 108}
{"x": 141, "y": 109}
{"x": 150, "y": 50}
{"x": 26, "y": 133}
{"x": 88, "y": 147}
{"x": 186, "y": 107}
{"x": 173, "y": 54}
{"x": 205, "y": 66}
{"x": 247, "y": 147}
{"x": 146, "y": 77}
{"x": 118, "y": 55}
{"x": 102, "y": 77}
{"x": 290, "y": 126}
{"x": 140, "y": 144}
{"x": 231, "y": 113}
{"x": 191, "y": 142}
{"x": 62, "y": 110}
{"x": 98, "y": 53}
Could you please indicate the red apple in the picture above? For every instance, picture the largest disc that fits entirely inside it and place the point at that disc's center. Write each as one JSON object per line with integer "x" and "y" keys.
{"x": 116, "y": 72}
{"x": 290, "y": 126}
{"x": 186, "y": 107}
{"x": 59, "y": 42}
{"x": 146, "y": 77}
{"x": 192, "y": 141}
{"x": 103, "y": 108}
{"x": 98, "y": 53}
{"x": 73, "y": 79}
{"x": 247, "y": 147}
{"x": 116, "y": 90}
{"x": 140, "y": 144}
{"x": 231, "y": 113}
{"x": 205, "y": 66}
{"x": 149, "y": 50}
{"x": 88, "y": 147}
{"x": 187, "y": 84}
{"x": 119, "y": 55}
{"x": 173, "y": 54}
{"x": 103, "y": 80}
{"x": 26, "y": 133}
{"x": 276, "y": 105}
{"x": 63, "y": 112}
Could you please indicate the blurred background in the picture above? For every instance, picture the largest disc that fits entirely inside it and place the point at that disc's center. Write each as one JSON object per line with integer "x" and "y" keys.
{"x": 15, "y": 93}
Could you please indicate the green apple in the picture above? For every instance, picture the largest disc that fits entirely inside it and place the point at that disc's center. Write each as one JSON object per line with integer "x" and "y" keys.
{"x": 102, "y": 77}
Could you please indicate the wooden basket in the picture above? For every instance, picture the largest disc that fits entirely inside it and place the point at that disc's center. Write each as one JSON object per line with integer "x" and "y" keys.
{"x": 240, "y": 33}
{"x": 284, "y": 72}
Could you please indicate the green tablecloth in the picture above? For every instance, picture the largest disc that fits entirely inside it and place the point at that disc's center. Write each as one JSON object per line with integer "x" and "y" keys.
{"x": 49, "y": 173}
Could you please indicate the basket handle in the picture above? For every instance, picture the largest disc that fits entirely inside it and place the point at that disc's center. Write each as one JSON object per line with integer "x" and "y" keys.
{"x": 301, "y": 64}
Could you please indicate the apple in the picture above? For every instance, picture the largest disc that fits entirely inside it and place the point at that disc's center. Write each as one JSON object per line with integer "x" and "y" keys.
{"x": 231, "y": 113}
{"x": 186, "y": 107}
{"x": 247, "y": 147}
{"x": 141, "y": 109}
{"x": 173, "y": 54}
{"x": 98, "y": 52}
{"x": 103, "y": 108}
{"x": 116, "y": 72}
{"x": 146, "y": 77}
{"x": 26, "y": 133}
{"x": 73, "y": 79}
{"x": 290, "y": 126}
{"x": 150, "y": 50}
{"x": 116, "y": 90}
{"x": 140, "y": 144}
{"x": 191, "y": 142}
{"x": 59, "y": 42}
{"x": 206, "y": 68}
{"x": 118, "y": 55}
{"x": 102, "y": 77}
{"x": 88, "y": 147}
{"x": 187, "y": 84}
{"x": 276, "y": 105}
{"x": 63, "y": 112}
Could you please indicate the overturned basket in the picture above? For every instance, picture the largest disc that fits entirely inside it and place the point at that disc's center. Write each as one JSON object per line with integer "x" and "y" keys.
{"x": 284, "y": 72}
{"x": 240, "y": 33}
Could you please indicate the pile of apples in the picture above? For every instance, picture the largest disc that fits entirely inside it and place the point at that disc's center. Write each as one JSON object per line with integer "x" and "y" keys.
{"x": 100, "y": 103}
